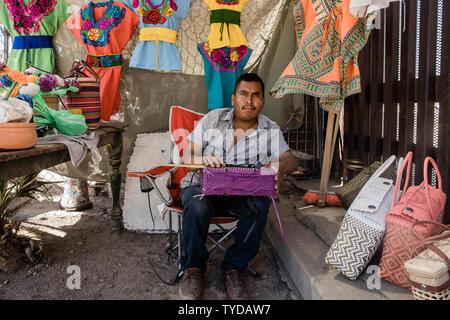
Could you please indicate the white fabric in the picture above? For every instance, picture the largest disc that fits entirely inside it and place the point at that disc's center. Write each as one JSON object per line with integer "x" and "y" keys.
{"x": 15, "y": 110}
{"x": 362, "y": 8}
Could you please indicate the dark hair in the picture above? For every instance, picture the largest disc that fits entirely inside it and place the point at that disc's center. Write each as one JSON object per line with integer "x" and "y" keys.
{"x": 249, "y": 77}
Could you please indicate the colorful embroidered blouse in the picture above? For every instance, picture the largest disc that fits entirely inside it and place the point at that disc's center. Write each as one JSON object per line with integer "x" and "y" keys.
{"x": 225, "y": 23}
{"x": 325, "y": 64}
{"x": 104, "y": 29}
{"x": 222, "y": 68}
{"x": 39, "y": 19}
{"x": 158, "y": 25}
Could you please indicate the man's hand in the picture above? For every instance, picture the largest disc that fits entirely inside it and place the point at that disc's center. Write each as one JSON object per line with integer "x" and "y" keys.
{"x": 278, "y": 180}
{"x": 213, "y": 161}
{"x": 286, "y": 165}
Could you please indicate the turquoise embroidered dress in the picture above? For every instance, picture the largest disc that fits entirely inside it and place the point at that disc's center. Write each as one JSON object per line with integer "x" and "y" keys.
{"x": 33, "y": 24}
{"x": 158, "y": 26}
{"x": 222, "y": 68}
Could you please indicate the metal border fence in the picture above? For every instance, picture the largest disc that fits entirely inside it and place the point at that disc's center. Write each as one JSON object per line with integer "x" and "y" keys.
{"x": 405, "y": 100}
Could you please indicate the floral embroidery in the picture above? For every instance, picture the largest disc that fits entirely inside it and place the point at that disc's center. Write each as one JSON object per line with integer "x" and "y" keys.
{"x": 104, "y": 61}
{"x": 155, "y": 14}
{"x": 168, "y": 12}
{"x": 97, "y": 33}
{"x": 93, "y": 34}
{"x": 228, "y": 2}
{"x": 27, "y": 18}
{"x": 222, "y": 59}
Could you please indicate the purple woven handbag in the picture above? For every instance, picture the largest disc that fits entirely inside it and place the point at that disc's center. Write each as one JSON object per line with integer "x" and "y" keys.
{"x": 240, "y": 181}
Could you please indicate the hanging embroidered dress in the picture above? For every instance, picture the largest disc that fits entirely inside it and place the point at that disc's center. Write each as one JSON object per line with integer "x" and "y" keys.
{"x": 33, "y": 24}
{"x": 225, "y": 20}
{"x": 325, "y": 65}
{"x": 222, "y": 68}
{"x": 158, "y": 27}
{"x": 104, "y": 29}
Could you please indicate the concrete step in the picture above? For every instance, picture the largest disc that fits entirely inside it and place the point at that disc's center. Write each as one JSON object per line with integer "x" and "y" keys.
{"x": 309, "y": 232}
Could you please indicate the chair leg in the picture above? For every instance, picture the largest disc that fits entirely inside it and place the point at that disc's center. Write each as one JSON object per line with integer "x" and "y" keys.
{"x": 217, "y": 243}
{"x": 180, "y": 230}
{"x": 253, "y": 272}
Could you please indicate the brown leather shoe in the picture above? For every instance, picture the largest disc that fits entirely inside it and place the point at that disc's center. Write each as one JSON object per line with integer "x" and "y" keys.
{"x": 236, "y": 289}
{"x": 191, "y": 284}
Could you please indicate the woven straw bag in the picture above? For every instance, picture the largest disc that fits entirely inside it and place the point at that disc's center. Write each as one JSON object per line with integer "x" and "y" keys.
{"x": 52, "y": 101}
{"x": 88, "y": 98}
{"x": 348, "y": 192}
{"x": 429, "y": 271}
{"x": 417, "y": 203}
{"x": 363, "y": 227}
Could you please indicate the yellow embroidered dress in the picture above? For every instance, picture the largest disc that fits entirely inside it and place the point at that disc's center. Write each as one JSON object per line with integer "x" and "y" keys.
{"x": 225, "y": 18}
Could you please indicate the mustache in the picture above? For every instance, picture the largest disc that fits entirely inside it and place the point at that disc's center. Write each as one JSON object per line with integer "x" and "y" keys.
{"x": 248, "y": 106}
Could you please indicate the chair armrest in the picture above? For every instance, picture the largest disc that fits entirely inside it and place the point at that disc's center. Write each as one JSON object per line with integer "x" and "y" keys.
{"x": 156, "y": 171}
{"x": 147, "y": 181}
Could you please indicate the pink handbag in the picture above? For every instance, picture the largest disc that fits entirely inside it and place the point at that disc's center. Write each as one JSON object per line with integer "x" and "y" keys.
{"x": 417, "y": 203}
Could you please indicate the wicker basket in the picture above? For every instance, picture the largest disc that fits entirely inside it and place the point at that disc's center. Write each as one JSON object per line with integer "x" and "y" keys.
{"x": 429, "y": 273}
{"x": 52, "y": 101}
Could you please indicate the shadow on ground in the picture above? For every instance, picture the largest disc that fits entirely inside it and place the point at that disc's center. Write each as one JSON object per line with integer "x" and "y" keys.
{"x": 115, "y": 264}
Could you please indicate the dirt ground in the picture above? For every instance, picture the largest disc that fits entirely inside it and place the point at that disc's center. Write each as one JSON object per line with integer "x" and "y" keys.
{"x": 115, "y": 264}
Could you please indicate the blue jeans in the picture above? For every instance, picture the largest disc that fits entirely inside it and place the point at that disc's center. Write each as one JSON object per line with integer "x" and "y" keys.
{"x": 197, "y": 214}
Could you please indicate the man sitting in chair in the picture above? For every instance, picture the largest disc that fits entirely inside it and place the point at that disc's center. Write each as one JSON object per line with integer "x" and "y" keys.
{"x": 230, "y": 137}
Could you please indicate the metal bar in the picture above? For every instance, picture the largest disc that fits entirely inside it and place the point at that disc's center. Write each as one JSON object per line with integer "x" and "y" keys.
{"x": 425, "y": 82}
{"x": 406, "y": 83}
{"x": 376, "y": 80}
{"x": 443, "y": 156}
{"x": 364, "y": 102}
{"x": 390, "y": 77}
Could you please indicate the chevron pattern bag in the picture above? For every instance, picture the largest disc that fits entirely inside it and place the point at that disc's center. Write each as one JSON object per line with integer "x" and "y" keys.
{"x": 363, "y": 227}
{"x": 417, "y": 203}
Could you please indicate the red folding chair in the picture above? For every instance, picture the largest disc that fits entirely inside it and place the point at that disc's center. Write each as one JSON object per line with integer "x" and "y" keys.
{"x": 182, "y": 122}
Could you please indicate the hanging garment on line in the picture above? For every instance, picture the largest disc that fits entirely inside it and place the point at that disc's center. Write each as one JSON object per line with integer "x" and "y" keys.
{"x": 158, "y": 29}
{"x": 225, "y": 19}
{"x": 33, "y": 24}
{"x": 325, "y": 65}
{"x": 222, "y": 68}
{"x": 104, "y": 29}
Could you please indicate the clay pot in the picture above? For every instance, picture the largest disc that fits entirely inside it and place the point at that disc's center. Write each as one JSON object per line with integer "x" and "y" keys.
{"x": 16, "y": 136}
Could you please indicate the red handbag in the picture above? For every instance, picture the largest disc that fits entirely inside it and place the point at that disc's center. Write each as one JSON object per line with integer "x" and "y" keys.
{"x": 417, "y": 203}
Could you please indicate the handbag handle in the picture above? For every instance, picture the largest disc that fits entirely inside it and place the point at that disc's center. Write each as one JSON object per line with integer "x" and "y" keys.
{"x": 92, "y": 71}
{"x": 427, "y": 185}
{"x": 428, "y": 242}
{"x": 406, "y": 162}
{"x": 76, "y": 68}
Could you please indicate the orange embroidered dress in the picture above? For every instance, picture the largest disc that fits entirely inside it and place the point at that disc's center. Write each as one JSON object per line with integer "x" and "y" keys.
{"x": 326, "y": 62}
{"x": 104, "y": 29}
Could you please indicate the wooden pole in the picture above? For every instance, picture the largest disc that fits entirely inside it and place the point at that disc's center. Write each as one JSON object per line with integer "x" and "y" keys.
{"x": 330, "y": 142}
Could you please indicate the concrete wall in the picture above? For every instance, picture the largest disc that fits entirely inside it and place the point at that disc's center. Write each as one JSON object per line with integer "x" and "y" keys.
{"x": 148, "y": 95}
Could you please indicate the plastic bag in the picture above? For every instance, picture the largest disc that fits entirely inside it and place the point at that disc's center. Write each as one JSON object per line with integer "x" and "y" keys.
{"x": 15, "y": 110}
{"x": 64, "y": 121}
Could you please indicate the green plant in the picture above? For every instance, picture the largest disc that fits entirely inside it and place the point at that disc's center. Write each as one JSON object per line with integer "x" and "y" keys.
{"x": 27, "y": 186}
